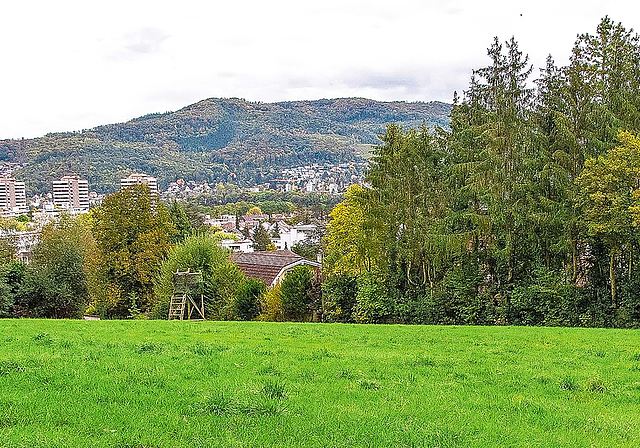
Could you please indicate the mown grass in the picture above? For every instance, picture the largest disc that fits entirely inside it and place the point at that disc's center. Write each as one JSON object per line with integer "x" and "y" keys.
{"x": 188, "y": 384}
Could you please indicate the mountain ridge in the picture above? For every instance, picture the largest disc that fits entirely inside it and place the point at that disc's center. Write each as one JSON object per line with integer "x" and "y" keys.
{"x": 217, "y": 140}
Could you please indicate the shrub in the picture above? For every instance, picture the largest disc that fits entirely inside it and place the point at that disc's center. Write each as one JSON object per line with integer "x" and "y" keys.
{"x": 372, "y": 304}
{"x": 272, "y": 305}
{"x": 545, "y": 300}
{"x": 247, "y": 301}
{"x": 339, "y": 294}
{"x": 296, "y": 288}
{"x": 6, "y": 299}
{"x": 11, "y": 277}
{"x": 56, "y": 282}
{"x": 220, "y": 275}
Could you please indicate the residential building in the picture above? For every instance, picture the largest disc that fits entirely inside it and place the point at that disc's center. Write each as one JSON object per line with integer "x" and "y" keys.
{"x": 140, "y": 178}
{"x": 289, "y": 237}
{"x": 222, "y": 222}
{"x": 270, "y": 266}
{"x": 23, "y": 242}
{"x": 237, "y": 246}
{"x": 95, "y": 199}
{"x": 71, "y": 193}
{"x": 13, "y": 199}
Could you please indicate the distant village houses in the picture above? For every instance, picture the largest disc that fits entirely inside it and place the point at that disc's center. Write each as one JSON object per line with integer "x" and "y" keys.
{"x": 71, "y": 195}
{"x": 283, "y": 236}
{"x": 181, "y": 189}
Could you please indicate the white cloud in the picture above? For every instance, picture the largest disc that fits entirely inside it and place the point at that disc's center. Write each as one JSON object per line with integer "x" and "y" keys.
{"x": 73, "y": 64}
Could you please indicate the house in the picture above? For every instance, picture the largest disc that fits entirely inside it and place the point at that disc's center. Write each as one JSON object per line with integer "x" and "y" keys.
{"x": 270, "y": 266}
{"x": 237, "y": 245}
{"x": 223, "y": 221}
{"x": 290, "y": 236}
{"x": 140, "y": 178}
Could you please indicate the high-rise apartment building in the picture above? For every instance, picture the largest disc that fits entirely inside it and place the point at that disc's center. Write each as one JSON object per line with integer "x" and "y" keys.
{"x": 71, "y": 193}
{"x": 13, "y": 199}
{"x": 140, "y": 178}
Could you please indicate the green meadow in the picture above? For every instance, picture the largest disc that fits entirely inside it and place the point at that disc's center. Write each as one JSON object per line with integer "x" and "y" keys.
{"x": 201, "y": 384}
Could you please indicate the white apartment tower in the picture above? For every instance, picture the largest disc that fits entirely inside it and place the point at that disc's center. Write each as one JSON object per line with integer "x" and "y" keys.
{"x": 71, "y": 193}
{"x": 13, "y": 199}
{"x": 140, "y": 178}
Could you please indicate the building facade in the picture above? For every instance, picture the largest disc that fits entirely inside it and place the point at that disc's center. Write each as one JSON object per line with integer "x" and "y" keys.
{"x": 237, "y": 246}
{"x": 13, "y": 199}
{"x": 140, "y": 178}
{"x": 71, "y": 193}
{"x": 294, "y": 235}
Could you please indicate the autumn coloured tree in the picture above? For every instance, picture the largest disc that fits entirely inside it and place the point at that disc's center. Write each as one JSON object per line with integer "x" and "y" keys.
{"x": 609, "y": 199}
{"x": 133, "y": 234}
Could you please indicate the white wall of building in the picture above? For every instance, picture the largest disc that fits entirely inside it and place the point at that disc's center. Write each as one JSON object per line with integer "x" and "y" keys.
{"x": 295, "y": 235}
{"x": 71, "y": 193}
{"x": 13, "y": 199}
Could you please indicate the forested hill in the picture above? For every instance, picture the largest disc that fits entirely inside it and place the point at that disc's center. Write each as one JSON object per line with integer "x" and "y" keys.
{"x": 228, "y": 140}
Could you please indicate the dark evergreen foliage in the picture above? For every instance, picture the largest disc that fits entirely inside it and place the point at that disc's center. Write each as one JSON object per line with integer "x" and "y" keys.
{"x": 247, "y": 302}
{"x": 339, "y": 297}
{"x": 261, "y": 240}
{"x": 296, "y": 291}
{"x": 525, "y": 211}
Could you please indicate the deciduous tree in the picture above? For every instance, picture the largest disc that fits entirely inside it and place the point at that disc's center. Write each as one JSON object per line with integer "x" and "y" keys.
{"x": 133, "y": 233}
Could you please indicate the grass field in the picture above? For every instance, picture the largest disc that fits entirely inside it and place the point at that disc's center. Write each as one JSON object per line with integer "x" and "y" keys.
{"x": 168, "y": 384}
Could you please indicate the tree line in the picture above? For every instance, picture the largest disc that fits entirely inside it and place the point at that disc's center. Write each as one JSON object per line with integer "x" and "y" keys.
{"x": 525, "y": 211}
{"x": 118, "y": 261}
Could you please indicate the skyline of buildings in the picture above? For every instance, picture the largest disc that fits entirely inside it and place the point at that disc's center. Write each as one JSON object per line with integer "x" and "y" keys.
{"x": 70, "y": 193}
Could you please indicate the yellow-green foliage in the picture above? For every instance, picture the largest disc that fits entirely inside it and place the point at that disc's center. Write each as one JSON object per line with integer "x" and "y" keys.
{"x": 272, "y": 305}
{"x": 609, "y": 194}
{"x": 133, "y": 233}
{"x": 352, "y": 243}
{"x": 221, "y": 276}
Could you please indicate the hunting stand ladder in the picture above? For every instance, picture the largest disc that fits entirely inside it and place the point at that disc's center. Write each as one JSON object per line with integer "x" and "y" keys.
{"x": 188, "y": 297}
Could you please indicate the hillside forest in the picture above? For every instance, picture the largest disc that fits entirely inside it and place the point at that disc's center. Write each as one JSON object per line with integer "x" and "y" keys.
{"x": 215, "y": 140}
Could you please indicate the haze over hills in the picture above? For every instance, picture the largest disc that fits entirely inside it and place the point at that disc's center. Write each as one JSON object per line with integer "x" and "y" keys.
{"x": 217, "y": 140}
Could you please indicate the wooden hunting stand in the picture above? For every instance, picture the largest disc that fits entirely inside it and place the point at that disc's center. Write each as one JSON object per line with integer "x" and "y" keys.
{"x": 188, "y": 295}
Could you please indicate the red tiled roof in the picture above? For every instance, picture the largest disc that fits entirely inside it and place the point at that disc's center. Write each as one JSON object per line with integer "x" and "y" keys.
{"x": 266, "y": 265}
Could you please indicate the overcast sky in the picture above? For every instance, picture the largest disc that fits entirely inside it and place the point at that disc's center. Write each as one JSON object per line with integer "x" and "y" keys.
{"x": 69, "y": 65}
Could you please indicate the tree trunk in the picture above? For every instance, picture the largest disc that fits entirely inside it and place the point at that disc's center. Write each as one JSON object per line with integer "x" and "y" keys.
{"x": 510, "y": 249}
{"x": 612, "y": 278}
{"x": 547, "y": 257}
{"x": 574, "y": 258}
